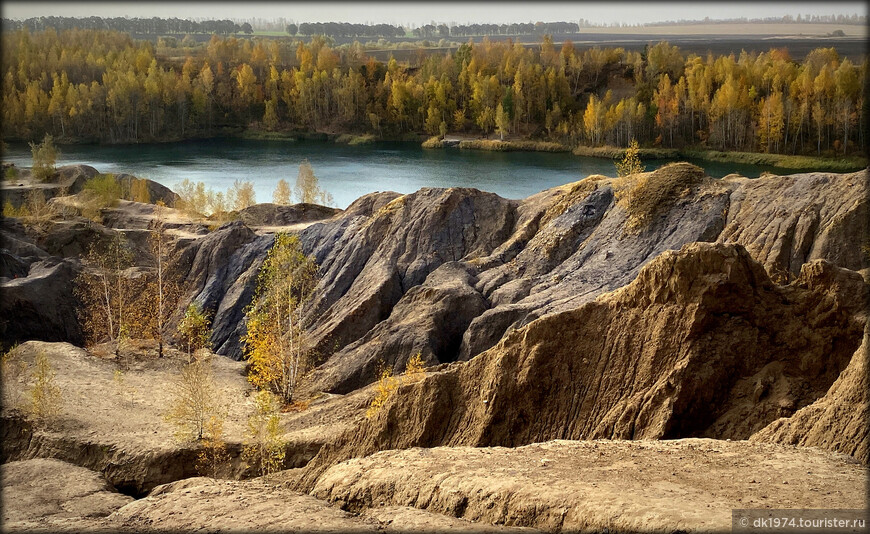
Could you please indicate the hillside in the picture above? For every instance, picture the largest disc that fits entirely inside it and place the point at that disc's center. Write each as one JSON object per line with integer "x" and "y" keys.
{"x": 668, "y": 328}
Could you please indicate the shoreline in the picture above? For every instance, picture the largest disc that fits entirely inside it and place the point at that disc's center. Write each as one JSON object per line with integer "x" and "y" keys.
{"x": 849, "y": 163}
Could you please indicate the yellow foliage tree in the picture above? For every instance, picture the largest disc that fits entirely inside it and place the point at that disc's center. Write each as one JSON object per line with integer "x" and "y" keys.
{"x": 194, "y": 329}
{"x": 265, "y": 447}
{"x": 630, "y": 163}
{"x": 242, "y": 194}
{"x": 104, "y": 291}
{"x": 45, "y": 155}
{"x": 383, "y": 389}
{"x": 194, "y": 400}
{"x": 275, "y": 341}
{"x": 214, "y": 453}
{"x": 308, "y": 189}
{"x": 45, "y": 395}
{"x": 281, "y": 196}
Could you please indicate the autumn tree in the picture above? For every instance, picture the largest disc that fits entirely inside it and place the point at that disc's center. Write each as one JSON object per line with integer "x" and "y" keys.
{"x": 193, "y": 198}
{"x": 139, "y": 191}
{"x": 213, "y": 454}
{"x": 194, "y": 329}
{"x": 104, "y": 290}
{"x": 630, "y": 163}
{"x": 308, "y": 189}
{"x": 45, "y": 156}
{"x": 194, "y": 400}
{"x": 281, "y": 196}
{"x": 45, "y": 395}
{"x": 502, "y": 121}
{"x": 275, "y": 342}
{"x": 163, "y": 290}
{"x": 242, "y": 194}
{"x": 100, "y": 192}
{"x": 264, "y": 448}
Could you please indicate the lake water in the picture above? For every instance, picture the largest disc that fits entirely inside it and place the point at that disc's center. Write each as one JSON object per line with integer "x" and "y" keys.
{"x": 347, "y": 172}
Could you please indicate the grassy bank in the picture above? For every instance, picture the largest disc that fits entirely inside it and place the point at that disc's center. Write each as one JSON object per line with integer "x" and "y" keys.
{"x": 798, "y": 163}
{"x": 261, "y": 135}
{"x": 784, "y": 161}
{"x": 611, "y": 152}
{"x": 354, "y": 139}
{"x": 512, "y": 146}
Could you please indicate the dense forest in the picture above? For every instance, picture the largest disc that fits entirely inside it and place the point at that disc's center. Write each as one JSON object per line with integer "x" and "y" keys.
{"x": 86, "y": 85}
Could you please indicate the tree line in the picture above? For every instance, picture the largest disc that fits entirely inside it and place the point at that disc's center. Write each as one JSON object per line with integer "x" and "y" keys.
{"x": 151, "y": 26}
{"x": 345, "y": 29}
{"x": 105, "y": 86}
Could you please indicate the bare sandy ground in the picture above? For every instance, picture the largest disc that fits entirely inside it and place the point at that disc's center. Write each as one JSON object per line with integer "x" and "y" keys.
{"x": 615, "y": 486}
{"x": 52, "y": 496}
{"x": 689, "y": 484}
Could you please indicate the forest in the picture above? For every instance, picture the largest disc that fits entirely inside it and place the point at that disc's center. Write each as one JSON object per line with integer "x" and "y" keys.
{"x": 104, "y": 86}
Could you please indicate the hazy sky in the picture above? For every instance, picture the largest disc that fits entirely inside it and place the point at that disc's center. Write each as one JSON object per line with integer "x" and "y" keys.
{"x": 424, "y": 12}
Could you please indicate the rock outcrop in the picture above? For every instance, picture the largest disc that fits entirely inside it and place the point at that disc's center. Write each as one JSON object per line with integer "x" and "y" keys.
{"x": 68, "y": 179}
{"x": 786, "y": 221}
{"x": 702, "y": 343}
{"x": 46, "y": 494}
{"x": 117, "y": 429}
{"x": 837, "y": 421}
{"x": 220, "y": 272}
{"x": 40, "y": 305}
{"x": 549, "y": 253}
{"x": 369, "y": 260}
{"x": 268, "y": 214}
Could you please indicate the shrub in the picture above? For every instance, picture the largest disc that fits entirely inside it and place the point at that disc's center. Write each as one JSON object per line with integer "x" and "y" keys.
{"x": 264, "y": 448}
{"x": 630, "y": 163}
{"x": 45, "y": 396}
{"x": 385, "y": 386}
{"x": 415, "y": 369}
{"x": 104, "y": 189}
{"x": 45, "y": 155}
{"x": 13, "y": 372}
{"x": 433, "y": 142}
{"x": 139, "y": 191}
{"x": 194, "y": 329}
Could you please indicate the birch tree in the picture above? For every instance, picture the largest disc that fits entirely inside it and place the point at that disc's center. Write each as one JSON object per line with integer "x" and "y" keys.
{"x": 275, "y": 342}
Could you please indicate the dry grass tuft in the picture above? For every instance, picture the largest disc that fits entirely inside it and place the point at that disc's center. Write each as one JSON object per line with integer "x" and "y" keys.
{"x": 648, "y": 194}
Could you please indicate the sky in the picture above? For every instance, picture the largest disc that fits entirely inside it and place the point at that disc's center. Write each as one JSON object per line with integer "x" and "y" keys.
{"x": 424, "y": 12}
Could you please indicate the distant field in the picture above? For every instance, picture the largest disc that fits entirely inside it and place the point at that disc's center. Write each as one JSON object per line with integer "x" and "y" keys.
{"x": 851, "y": 30}
{"x": 725, "y": 39}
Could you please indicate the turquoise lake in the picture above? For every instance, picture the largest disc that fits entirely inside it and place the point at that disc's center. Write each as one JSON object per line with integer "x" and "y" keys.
{"x": 347, "y": 172}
